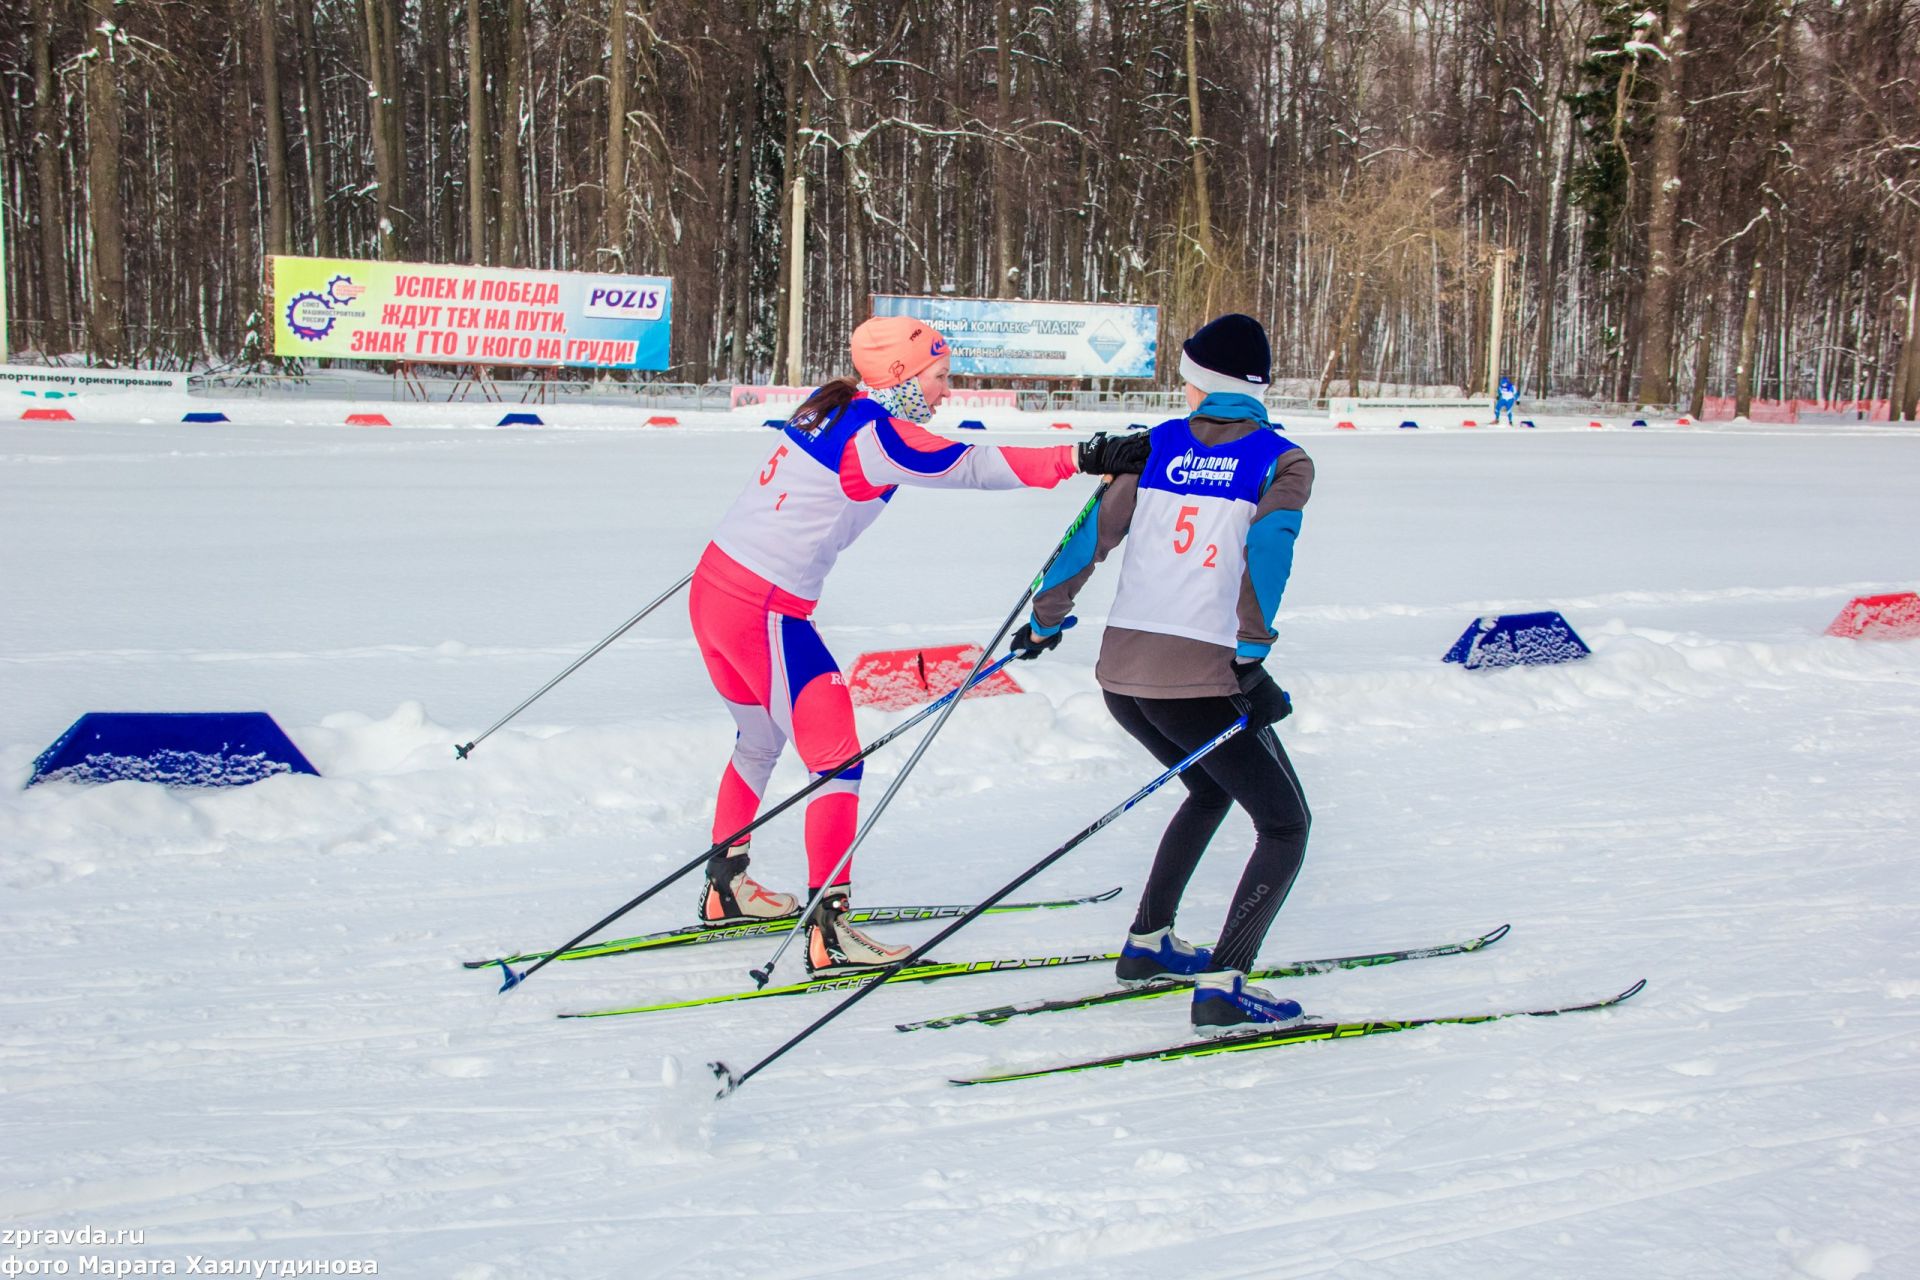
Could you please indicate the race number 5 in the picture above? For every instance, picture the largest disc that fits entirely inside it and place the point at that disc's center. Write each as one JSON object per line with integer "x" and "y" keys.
{"x": 1184, "y": 543}
{"x": 773, "y": 465}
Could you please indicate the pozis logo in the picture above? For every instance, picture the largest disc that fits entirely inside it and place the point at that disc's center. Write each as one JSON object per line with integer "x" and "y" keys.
{"x": 625, "y": 300}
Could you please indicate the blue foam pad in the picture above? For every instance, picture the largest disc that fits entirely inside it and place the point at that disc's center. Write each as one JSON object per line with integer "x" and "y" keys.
{"x": 172, "y": 748}
{"x": 1527, "y": 422}
{"x": 522, "y": 420}
{"x": 1639, "y": 422}
{"x": 1517, "y": 640}
{"x": 778, "y": 424}
{"x": 973, "y": 424}
{"x": 1409, "y": 425}
{"x": 205, "y": 417}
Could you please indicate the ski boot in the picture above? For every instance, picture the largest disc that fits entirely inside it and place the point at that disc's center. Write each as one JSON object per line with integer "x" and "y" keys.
{"x": 1157, "y": 956}
{"x": 836, "y": 947}
{"x": 731, "y": 896}
{"x": 1223, "y": 1004}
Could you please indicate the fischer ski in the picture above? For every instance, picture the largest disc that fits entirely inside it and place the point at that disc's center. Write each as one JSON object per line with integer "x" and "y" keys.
{"x": 1167, "y": 986}
{"x": 1301, "y": 1033}
{"x": 695, "y": 934}
{"x": 930, "y": 971}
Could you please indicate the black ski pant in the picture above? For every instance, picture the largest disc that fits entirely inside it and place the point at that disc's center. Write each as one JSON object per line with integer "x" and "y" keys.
{"x": 1248, "y": 769}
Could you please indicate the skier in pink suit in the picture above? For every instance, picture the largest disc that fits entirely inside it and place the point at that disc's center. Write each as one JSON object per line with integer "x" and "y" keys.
{"x": 838, "y": 462}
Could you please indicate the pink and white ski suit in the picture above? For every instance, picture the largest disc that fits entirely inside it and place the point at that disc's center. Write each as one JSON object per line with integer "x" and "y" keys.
{"x": 758, "y": 582}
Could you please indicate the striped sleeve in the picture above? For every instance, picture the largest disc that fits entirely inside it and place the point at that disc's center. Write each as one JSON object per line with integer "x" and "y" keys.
{"x": 891, "y": 452}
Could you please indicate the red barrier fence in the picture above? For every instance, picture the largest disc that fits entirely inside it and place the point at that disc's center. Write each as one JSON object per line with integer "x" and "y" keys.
{"x": 1720, "y": 409}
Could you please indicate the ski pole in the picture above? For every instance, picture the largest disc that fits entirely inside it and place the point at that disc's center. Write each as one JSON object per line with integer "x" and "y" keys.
{"x": 730, "y": 1082}
{"x": 764, "y": 974}
{"x": 461, "y": 753}
{"x": 515, "y": 979}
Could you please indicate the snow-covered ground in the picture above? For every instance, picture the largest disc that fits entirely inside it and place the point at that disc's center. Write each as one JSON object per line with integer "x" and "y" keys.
{"x": 236, "y": 1020}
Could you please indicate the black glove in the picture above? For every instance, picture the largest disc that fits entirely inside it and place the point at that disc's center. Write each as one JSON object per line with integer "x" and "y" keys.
{"x": 1267, "y": 703}
{"x": 1027, "y": 646}
{"x": 1114, "y": 455}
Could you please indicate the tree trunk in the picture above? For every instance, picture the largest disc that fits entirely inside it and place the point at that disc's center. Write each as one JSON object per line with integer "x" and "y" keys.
{"x": 1656, "y": 348}
{"x": 1749, "y": 332}
{"x": 384, "y": 167}
{"x": 278, "y": 208}
{"x": 791, "y": 165}
{"x": 1202, "y": 200}
{"x": 48, "y": 127}
{"x": 1907, "y": 391}
{"x": 1697, "y": 402}
{"x": 107, "y": 326}
{"x": 477, "y": 247}
{"x": 743, "y": 211}
{"x": 319, "y": 165}
{"x": 512, "y": 250}
{"x": 1005, "y": 272}
{"x": 615, "y": 207}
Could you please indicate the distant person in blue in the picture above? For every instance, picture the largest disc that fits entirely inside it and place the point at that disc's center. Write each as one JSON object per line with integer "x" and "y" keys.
{"x": 1507, "y": 397}
{"x": 1209, "y": 532}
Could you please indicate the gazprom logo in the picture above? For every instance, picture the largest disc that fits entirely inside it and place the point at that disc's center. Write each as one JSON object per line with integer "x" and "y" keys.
{"x": 1188, "y": 469}
{"x": 626, "y": 300}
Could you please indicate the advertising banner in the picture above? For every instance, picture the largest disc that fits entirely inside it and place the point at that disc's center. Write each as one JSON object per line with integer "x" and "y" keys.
{"x": 1011, "y": 338}
{"x": 790, "y": 397}
{"x": 426, "y": 314}
{"x": 56, "y": 382}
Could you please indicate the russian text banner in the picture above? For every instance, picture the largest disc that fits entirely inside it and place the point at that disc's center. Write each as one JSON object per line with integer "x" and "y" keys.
{"x": 415, "y": 312}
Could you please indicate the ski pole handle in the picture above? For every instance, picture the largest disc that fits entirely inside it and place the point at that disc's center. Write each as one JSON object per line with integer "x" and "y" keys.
{"x": 462, "y": 752}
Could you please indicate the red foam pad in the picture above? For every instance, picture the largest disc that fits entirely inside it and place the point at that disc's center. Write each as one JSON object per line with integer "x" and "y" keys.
{"x": 893, "y": 679}
{"x": 1891, "y": 617}
{"x": 1063, "y": 426}
{"x": 368, "y": 420}
{"x": 661, "y": 420}
{"x": 1468, "y": 422}
{"x": 46, "y": 415}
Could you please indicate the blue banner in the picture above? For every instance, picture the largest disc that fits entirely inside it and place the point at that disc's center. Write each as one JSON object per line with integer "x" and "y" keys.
{"x": 1006, "y": 337}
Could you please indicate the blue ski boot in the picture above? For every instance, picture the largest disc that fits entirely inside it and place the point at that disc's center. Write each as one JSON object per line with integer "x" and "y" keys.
{"x": 1157, "y": 956}
{"x": 1223, "y": 1004}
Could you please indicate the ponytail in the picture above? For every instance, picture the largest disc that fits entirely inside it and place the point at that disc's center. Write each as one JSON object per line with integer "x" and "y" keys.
{"x": 824, "y": 405}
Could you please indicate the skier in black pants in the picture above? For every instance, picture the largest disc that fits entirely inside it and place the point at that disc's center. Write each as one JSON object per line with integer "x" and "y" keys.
{"x": 1212, "y": 522}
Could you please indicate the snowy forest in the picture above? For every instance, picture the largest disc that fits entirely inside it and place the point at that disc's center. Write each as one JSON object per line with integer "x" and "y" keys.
{"x": 1684, "y": 197}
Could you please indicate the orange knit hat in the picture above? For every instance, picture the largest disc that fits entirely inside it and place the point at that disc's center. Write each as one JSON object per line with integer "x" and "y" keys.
{"x": 887, "y": 350}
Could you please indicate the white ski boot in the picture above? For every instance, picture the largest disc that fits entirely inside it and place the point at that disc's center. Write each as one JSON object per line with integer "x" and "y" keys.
{"x": 731, "y": 896}
{"x": 836, "y": 947}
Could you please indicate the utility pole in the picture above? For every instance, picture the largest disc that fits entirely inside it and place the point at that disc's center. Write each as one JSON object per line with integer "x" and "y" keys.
{"x": 796, "y": 278}
{"x": 51, "y": 284}
{"x": 1499, "y": 314}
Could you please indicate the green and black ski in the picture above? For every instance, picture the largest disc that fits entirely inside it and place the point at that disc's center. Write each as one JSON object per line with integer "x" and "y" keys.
{"x": 930, "y": 971}
{"x": 1296, "y": 969}
{"x": 695, "y": 934}
{"x": 1302, "y": 1033}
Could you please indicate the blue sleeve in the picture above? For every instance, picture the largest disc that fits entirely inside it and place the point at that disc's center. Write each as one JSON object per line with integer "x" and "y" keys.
{"x": 1269, "y": 565}
{"x": 1075, "y": 558}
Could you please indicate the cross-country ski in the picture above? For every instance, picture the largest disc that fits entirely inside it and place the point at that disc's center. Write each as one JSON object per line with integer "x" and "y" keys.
{"x": 1304, "y": 1032}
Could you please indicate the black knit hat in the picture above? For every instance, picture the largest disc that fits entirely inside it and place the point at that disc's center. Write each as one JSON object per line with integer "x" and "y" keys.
{"x": 1234, "y": 345}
